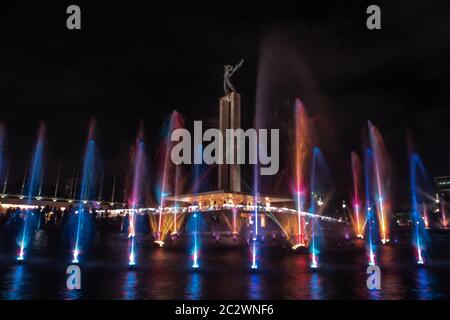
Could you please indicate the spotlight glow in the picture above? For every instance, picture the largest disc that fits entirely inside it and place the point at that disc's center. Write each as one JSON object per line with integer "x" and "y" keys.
{"x": 195, "y": 264}
{"x": 298, "y": 245}
{"x": 20, "y": 257}
{"x": 254, "y": 264}
{"x": 314, "y": 262}
{"x": 196, "y": 244}
{"x": 132, "y": 260}
{"x": 159, "y": 242}
{"x": 76, "y": 252}
{"x": 372, "y": 259}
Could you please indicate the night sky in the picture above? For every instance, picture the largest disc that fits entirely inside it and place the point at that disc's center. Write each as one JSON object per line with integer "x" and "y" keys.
{"x": 131, "y": 63}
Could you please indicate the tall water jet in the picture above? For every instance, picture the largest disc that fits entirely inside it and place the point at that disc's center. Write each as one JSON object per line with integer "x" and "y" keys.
{"x": 444, "y": 221}
{"x": 5, "y": 183}
{"x": 418, "y": 184}
{"x": 179, "y": 185}
{"x": 381, "y": 177}
{"x": 166, "y": 179}
{"x": 370, "y": 215}
{"x": 356, "y": 198}
{"x": 83, "y": 221}
{"x": 313, "y": 249}
{"x": 137, "y": 194}
{"x": 34, "y": 177}
{"x": 314, "y": 222}
{"x": 320, "y": 188}
{"x": 426, "y": 221}
{"x": 174, "y": 233}
{"x": 254, "y": 236}
{"x": 302, "y": 149}
{"x": 195, "y": 219}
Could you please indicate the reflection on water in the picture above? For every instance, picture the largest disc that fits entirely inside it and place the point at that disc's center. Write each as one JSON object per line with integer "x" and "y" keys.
{"x": 424, "y": 280}
{"x": 164, "y": 273}
{"x": 316, "y": 288}
{"x": 16, "y": 283}
{"x": 67, "y": 294}
{"x": 375, "y": 294}
{"x": 254, "y": 286}
{"x": 72, "y": 294}
{"x": 130, "y": 285}
{"x": 194, "y": 286}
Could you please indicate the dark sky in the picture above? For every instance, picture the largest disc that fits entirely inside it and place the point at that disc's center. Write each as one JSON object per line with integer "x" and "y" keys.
{"x": 132, "y": 63}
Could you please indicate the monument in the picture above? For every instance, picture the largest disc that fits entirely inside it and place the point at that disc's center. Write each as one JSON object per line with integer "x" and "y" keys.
{"x": 228, "y": 190}
{"x": 229, "y": 118}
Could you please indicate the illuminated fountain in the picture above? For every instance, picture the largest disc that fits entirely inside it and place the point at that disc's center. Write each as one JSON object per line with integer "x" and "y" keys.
{"x": 254, "y": 236}
{"x": 444, "y": 221}
{"x": 381, "y": 177}
{"x": 82, "y": 219}
{"x": 302, "y": 152}
{"x": 425, "y": 218}
{"x": 177, "y": 218}
{"x": 196, "y": 242}
{"x": 370, "y": 214}
{"x": 319, "y": 185}
{"x": 137, "y": 194}
{"x": 357, "y": 219}
{"x": 34, "y": 178}
{"x": 418, "y": 186}
{"x": 195, "y": 219}
{"x": 166, "y": 179}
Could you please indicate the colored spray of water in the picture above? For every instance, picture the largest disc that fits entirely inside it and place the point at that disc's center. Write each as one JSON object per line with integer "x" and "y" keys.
{"x": 418, "y": 183}
{"x": 34, "y": 177}
{"x": 235, "y": 224}
{"x": 87, "y": 190}
{"x": 313, "y": 248}
{"x": 195, "y": 249}
{"x": 254, "y": 247}
{"x": 356, "y": 199}
{"x": 370, "y": 216}
{"x": 444, "y": 221}
{"x": 302, "y": 148}
{"x": 426, "y": 221}
{"x": 195, "y": 220}
{"x": 139, "y": 174}
{"x": 381, "y": 176}
{"x": 320, "y": 186}
{"x": 254, "y": 239}
{"x": 178, "y": 175}
{"x": 166, "y": 179}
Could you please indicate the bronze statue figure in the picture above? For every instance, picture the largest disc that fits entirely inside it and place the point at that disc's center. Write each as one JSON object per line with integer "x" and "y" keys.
{"x": 228, "y": 72}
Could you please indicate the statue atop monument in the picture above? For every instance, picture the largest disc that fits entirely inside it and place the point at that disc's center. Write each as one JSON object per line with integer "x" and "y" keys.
{"x": 229, "y": 70}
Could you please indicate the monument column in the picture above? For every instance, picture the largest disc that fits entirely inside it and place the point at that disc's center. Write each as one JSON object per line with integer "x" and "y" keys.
{"x": 229, "y": 118}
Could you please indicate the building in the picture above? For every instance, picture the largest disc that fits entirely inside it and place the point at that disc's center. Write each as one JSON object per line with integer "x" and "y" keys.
{"x": 443, "y": 187}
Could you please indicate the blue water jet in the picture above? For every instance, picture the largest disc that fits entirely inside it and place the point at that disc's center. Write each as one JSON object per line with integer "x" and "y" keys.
{"x": 319, "y": 185}
{"x": 83, "y": 219}
{"x": 195, "y": 220}
{"x": 369, "y": 207}
{"x": 34, "y": 179}
{"x": 419, "y": 181}
{"x": 254, "y": 238}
